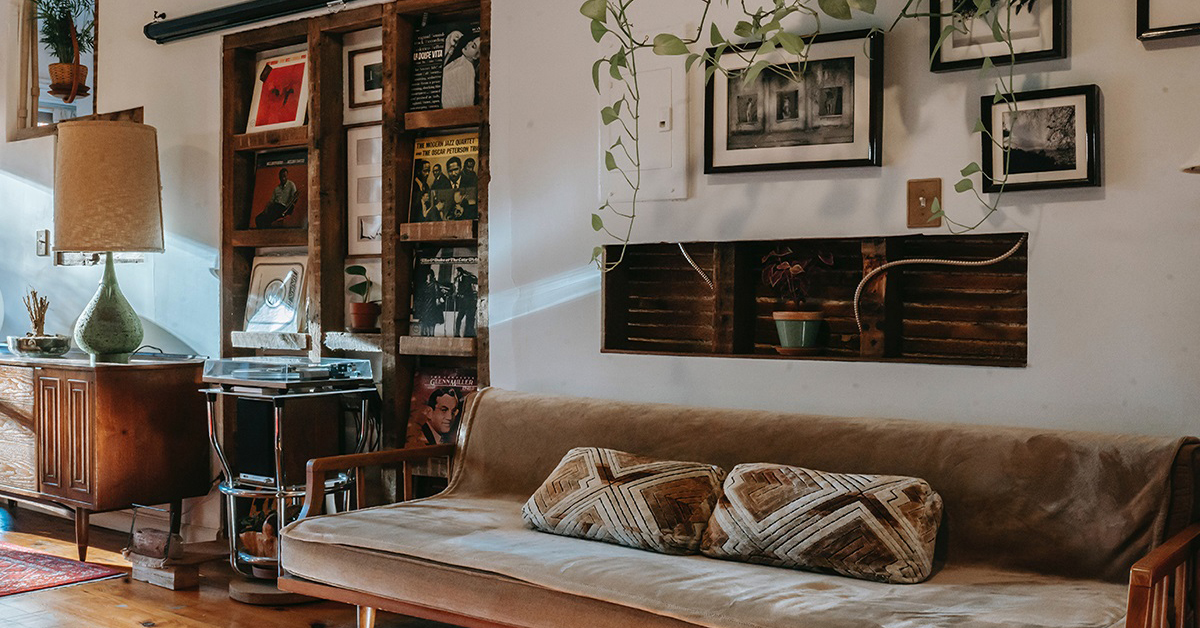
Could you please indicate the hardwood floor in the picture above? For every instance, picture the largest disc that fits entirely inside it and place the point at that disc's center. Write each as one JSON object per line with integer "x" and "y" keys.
{"x": 124, "y": 603}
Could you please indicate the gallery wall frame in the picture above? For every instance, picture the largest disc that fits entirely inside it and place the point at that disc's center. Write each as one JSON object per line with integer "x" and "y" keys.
{"x": 1059, "y": 144}
{"x": 1180, "y": 18}
{"x": 831, "y": 118}
{"x": 1036, "y": 37}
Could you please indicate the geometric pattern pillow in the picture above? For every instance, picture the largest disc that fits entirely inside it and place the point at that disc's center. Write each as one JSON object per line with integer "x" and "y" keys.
{"x": 871, "y": 527}
{"x": 615, "y": 497}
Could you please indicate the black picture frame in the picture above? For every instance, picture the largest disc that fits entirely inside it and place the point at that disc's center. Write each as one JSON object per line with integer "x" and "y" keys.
{"x": 355, "y": 78}
{"x": 873, "y": 46}
{"x": 1092, "y": 131}
{"x": 1057, "y": 50}
{"x": 1146, "y": 33}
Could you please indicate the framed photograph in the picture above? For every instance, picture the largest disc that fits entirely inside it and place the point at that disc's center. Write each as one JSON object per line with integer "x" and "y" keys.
{"x": 1161, "y": 19}
{"x": 280, "y": 97}
{"x": 1054, "y": 140}
{"x": 364, "y": 185}
{"x": 275, "y": 302}
{"x": 1039, "y": 32}
{"x": 366, "y": 77}
{"x": 827, "y": 113}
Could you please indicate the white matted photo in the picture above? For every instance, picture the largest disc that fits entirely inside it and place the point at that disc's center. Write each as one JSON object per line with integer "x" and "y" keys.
{"x": 822, "y": 113}
{"x": 364, "y": 202}
{"x": 1160, "y": 19}
{"x": 366, "y": 77}
{"x": 1052, "y": 137}
{"x": 1037, "y": 29}
{"x": 276, "y": 302}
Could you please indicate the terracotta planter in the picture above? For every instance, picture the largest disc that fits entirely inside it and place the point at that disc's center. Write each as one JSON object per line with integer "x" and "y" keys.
{"x": 364, "y": 317}
{"x": 798, "y": 330}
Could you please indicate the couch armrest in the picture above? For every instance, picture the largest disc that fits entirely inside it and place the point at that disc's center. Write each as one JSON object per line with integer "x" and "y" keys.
{"x": 319, "y": 468}
{"x": 1162, "y": 586}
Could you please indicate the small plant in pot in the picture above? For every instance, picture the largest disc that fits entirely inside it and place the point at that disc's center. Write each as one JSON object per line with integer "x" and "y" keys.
{"x": 364, "y": 314}
{"x": 36, "y": 344}
{"x": 788, "y": 274}
{"x": 67, "y": 29}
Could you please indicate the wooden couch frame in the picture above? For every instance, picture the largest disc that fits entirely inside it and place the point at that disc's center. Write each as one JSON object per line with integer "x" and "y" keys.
{"x": 1163, "y": 591}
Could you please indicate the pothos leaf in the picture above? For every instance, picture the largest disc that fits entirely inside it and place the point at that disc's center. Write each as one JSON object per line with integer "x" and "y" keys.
{"x": 608, "y": 116}
{"x": 597, "y": 222}
{"x": 610, "y": 162}
{"x": 837, "y": 9}
{"x": 691, "y": 60}
{"x": 979, "y": 127}
{"x": 866, "y": 6}
{"x": 988, "y": 66}
{"x": 971, "y": 169}
{"x": 964, "y": 185}
{"x": 715, "y": 35}
{"x": 753, "y": 71}
{"x": 598, "y": 30}
{"x": 946, "y": 33}
{"x": 667, "y": 44}
{"x": 597, "y": 254}
{"x": 791, "y": 43}
{"x": 596, "y": 73}
{"x": 998, "y": 30}
{"x": 595, "y": 9}
{"x": 743, "y": 29}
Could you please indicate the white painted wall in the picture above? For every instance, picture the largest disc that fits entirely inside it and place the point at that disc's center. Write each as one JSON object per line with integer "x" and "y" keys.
{"x": 1113, "y": 289}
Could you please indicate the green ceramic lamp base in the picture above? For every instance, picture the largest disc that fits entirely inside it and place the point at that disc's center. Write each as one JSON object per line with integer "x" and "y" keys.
{"x": 108, "y": 328}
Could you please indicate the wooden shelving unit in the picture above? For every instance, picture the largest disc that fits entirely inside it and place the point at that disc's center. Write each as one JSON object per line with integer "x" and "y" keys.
{"x": 325, "y": 238}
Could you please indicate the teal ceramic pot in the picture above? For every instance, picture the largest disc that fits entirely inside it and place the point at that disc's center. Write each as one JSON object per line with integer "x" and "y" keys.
{"x": 798, "y": 329}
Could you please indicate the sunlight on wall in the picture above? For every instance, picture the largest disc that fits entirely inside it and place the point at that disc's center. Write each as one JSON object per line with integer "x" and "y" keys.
{"x": 531, "y": 298}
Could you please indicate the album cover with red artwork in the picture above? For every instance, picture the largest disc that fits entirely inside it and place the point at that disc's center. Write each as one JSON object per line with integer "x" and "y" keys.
{"x": 280, "y": 97}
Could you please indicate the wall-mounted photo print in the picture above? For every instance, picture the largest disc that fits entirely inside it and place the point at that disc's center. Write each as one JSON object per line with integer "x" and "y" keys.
{"x": 1038, "y": 30}
{"x": 1161, "y": 19}
{"x": 1052, "y": 136}
{"x": 366, "y": 77}
{"x": 364, "y": 179}
{"x": 821, "y": 113}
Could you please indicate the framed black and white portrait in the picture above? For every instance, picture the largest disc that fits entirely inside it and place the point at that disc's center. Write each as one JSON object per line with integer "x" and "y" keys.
{"x": 1053, "y": 137}
{"x": 1161, "y": 19}
{"x": 825, "y": 113}
{"x": 1038, "y": 30}
{"x": 366, "y": 77}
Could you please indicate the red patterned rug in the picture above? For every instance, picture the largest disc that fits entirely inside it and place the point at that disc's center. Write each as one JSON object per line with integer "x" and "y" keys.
{"x": 23, "y": 569}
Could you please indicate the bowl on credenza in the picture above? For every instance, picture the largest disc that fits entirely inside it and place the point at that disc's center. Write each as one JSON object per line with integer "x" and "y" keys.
{"x": 39, "y": 346}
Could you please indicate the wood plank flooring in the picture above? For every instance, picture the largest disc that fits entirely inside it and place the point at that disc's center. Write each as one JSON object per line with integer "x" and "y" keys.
{"x": 124, "y": 603}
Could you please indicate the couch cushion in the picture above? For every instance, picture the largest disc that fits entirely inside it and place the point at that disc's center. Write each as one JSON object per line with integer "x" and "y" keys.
{"x": 1068, "y": 503}
{"x": 372, "y": 550}
{"x": 617, "y": 497}
{"x": 873, "y": 527}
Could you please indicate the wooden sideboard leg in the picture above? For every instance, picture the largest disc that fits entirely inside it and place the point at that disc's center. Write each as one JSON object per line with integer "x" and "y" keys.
{"x": 81, "y": 532}
{"x": 176, "y": 516}
{"x": 366, "y": 617}
{"x": 12, "y": 505}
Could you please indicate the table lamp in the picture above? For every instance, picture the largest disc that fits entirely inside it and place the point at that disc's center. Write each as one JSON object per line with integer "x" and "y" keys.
{"x": 107, "y": 197}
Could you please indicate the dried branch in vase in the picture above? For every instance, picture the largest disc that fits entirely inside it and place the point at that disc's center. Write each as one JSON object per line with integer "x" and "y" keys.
{"x": 37, "y": 307}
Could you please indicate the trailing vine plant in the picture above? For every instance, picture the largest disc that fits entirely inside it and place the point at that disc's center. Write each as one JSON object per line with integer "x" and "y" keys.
{"x": 760, "y": 32}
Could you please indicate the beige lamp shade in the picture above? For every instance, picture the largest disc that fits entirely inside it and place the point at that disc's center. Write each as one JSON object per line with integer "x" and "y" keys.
{"x": 107, "y": 191}
{"x": 1192, "y": 166}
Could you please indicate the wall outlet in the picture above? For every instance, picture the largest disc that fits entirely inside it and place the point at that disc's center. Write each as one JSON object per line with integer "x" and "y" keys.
{"x": 921, "y": 194}
{"x": 43, "y": 243}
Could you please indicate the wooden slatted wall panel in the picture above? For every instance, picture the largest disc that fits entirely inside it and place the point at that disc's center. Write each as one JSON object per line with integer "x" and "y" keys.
{"x": 662, "y": 304}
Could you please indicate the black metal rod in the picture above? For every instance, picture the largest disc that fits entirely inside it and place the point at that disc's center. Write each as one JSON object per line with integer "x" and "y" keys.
{"x": 239, "y": 14}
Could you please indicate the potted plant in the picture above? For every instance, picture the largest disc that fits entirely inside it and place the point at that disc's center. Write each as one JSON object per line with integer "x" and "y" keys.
{"x": 364, "y": 314}
{"x": 787, "y": 274}
{"x": 67, "y": 30}
{"x": 36, "y": 344}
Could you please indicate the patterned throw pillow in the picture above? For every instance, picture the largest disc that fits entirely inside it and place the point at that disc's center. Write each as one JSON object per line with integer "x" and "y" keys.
{"x": 621, "y": 498}
{"x": 872, "y": 527}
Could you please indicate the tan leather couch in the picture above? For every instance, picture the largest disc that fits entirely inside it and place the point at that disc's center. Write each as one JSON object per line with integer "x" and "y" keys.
{"x": 1041, "y": 527}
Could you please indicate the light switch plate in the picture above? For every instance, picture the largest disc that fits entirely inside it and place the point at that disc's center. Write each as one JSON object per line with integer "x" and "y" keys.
{"x": 921, "y": 194}
{"x": 43, "y": 243}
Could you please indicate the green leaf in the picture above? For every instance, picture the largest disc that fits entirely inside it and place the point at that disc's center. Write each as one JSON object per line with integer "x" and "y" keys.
{"x": 999, "y": 97}
{"x": 608, "y": 116}
{"x": 595, "y": 9}
{"x": 979, "y": 127}
{"x": 617, "y": 106}
{"x": 837, "y": 9}
{"x": 964, "y": 185}
{"x": 709, "y": 71}
{"x": 358, "y": 271}
{"x": 982, "y": 7}
{"x": 971, "y": 169}
{"x": 935, "y": 209}
{"x": 614, "y": 71}
{"x": 753, "y": 71}
{"x": 988, "y": 66}
{"x": 866, "y": 6}
{"x": 715, "y": 35}
{"x": 596, "y": 73}
{"x": 620, "y": 142}
{"x": 998, "y": 30}
{"x": 667, "y": 44}
{"x": 597, "y": 222}
{"x": 598, "y": 30}
{"x": 792, "y": 44}
{"x": 597, "y": 254}
{"x": 610, "y": 161}
{"x": 767, "y": 47}
{"x": 619, "y": 59}
{"x": 743, "y": 29}
{"x": 691, "y": 60}
{"x": 946, "y": 33}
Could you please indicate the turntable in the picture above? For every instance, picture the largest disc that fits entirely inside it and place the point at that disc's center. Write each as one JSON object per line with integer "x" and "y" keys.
{"x": 287, "y": 374}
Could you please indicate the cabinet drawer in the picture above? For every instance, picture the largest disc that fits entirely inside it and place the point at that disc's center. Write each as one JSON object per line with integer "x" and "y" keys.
{"x": 18, "y": 435}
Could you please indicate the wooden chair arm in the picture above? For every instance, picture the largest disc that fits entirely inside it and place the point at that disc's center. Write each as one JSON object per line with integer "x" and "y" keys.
{"x": 1162, "y": 581}
{"x": 318, "y": 468}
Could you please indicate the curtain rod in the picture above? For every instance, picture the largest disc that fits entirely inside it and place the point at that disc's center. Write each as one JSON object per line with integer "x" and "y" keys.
{"x": 168, "y": 30}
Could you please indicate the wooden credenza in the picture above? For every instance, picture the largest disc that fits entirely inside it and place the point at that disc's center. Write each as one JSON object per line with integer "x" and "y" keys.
{"x": 101, "y": 438}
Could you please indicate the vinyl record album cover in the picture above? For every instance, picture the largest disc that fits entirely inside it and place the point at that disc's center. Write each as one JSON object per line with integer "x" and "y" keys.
{"x": 445, "y": 292}
{"x": 280, "y": 198}
{"x": 275, "y": 302}
{"x": 445, "y": 66}
{"x": 445, "y": 178}
{"x": 280, "y": 97}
